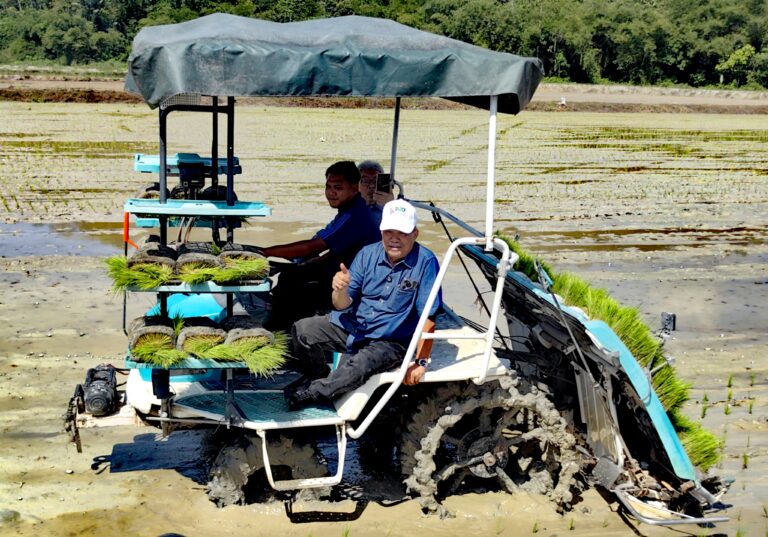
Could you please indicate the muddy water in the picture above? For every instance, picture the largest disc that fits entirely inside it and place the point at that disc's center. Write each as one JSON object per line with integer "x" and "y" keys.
{"x": 676, "y": 227}
{"x": 92, "y": 239}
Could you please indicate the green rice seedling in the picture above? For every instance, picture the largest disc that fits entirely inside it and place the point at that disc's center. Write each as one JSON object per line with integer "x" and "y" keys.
{"x": 751, "y": 380}
{"x": 571, "y": 525}
{"x": 157, "y": 349}
{"x": 729, "y": 396}
{"x": 744, "y": 461}
{"x": 168, "y": 357}
{"x": 178, "y": 324}
{"x": 149, "y": 344}
{"x": 702, "y": 445}
{"x": 242, "y": 269}
{"x": 192, "y": 273}
{"x": 705, "y": 399}
{"x": 143, "y": 276}
{"x": 535, "y": 528}
{"x": 749, "y": 407}
{"x": 235, "y": 352}
{"x": 727, "y": 409}
{"x": 266, "y": 359}
{"x": 704, "y": 411}
{"x": 235, "y": 270}
{"x": 199, "y": 345}
{"x": 730, "y": 381}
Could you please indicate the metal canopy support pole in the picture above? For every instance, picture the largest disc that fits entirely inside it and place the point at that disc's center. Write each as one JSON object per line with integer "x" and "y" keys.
{"x": 163, "y": 220}
{"x": 215, "y": 144}
{"x": 491, "y": 179}
{"x": 230, "y": 183}
{"x": 230, "y": 156}
{"x": 163, "y": 174}
{"x": 393, "y": 156}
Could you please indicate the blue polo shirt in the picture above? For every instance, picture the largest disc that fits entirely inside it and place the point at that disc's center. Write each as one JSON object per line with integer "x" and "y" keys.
{"x": 350, "y": 230}
{"x": 377, "y": 211}
{"x": 387, "y": 300}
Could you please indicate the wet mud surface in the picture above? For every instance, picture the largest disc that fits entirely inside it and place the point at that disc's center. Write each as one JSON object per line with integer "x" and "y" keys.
{"x": 665, "y": 231}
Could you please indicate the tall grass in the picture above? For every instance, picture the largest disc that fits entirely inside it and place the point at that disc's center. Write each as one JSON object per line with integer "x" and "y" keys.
{"x": 702, "y": 446}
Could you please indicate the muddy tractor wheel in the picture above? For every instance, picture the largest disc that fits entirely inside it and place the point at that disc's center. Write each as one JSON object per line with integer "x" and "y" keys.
{"x": 240, "y": 461}
{"x": 504, "y": 432}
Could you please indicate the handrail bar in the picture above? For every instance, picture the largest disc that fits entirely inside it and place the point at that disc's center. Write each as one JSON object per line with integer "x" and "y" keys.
{"x": 453, "y": 334}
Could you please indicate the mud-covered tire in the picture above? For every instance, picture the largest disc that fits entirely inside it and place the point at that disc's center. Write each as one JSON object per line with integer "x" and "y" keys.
{"x": 237, "y": 462}
{"x": 505, "y": 430}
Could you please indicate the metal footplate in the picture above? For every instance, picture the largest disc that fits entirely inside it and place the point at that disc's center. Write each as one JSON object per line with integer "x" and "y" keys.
{"x": 258, "y": 410}
{"x": 311, "y": 482}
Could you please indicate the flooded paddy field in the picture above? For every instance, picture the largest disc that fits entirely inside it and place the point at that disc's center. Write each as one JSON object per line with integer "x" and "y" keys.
{"x": 666, "y": 211}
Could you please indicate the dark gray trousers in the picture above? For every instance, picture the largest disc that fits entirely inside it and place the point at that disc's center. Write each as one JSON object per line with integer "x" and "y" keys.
{"x": 314, "y": 338}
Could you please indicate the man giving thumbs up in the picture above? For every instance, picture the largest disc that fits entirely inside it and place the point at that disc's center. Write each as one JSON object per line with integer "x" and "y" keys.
{"x": 378, "y": 302}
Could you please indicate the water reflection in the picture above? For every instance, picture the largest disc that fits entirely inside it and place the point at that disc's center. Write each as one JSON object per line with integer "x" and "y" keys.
{"x": 93, "y": 239}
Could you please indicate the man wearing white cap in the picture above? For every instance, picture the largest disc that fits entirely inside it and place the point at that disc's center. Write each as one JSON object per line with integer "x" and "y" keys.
{"x": 379, "y": 300}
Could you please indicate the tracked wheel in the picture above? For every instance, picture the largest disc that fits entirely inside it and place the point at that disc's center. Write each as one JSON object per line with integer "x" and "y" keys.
{"x": 505, "y": 432}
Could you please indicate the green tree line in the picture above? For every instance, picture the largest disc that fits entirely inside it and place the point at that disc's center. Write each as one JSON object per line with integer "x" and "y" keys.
{"x": 696, "y": 43}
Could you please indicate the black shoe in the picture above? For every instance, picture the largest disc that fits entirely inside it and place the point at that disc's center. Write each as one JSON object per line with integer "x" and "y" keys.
{"x": 301, "y": 398}
{"x": 301, "y": 383}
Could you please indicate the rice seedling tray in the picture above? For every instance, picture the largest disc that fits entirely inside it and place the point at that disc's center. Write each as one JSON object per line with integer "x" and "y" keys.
{"x": 190, "y": 363}
{"x": 151, "y": 163}
{"x": 173, "y": 207}
{"x": 145, "y": 222}
{"x": 254, "y": 286}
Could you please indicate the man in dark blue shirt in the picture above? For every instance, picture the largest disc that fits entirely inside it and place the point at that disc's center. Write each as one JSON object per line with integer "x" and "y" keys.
{"x": 379, "y": 300}
{"x": 304, "y": 288}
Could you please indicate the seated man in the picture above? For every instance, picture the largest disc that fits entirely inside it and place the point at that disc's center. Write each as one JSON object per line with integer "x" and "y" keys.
{"x": 369, "y": 172}
{"x": 304, "y": 288}
{"x": 381, "y": 297}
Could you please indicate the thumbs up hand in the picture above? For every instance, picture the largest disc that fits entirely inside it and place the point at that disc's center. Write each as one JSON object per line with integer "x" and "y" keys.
{"x": 341, "y": 278}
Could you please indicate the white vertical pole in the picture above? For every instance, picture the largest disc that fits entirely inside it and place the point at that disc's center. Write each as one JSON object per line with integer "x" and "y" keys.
{"x": 393, "y": 157}
{"x": 491, "y": 178}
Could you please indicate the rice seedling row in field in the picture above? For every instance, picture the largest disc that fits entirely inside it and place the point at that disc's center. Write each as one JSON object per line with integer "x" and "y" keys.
{"x": 648, "y": 158}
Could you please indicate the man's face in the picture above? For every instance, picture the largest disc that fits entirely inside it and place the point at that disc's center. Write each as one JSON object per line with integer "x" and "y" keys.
{"x": 338, "y": 191}
{"x": 368, "y": 185}
{"x": 397, "y": 244}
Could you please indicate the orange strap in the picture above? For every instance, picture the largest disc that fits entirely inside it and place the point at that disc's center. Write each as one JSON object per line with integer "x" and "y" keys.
{"x": 126, "y": 230}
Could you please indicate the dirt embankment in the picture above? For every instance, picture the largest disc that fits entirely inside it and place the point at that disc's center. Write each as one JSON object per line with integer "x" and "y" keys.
{"x": 549, "y": 97}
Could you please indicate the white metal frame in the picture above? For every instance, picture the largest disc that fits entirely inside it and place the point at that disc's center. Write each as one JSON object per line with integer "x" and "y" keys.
{"x": 309, "y": 482}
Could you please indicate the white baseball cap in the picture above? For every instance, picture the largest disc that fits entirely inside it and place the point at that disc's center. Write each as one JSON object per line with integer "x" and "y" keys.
{"x": 398, "y": 215}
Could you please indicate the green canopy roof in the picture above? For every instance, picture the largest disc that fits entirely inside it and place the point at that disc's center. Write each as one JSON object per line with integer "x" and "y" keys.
{"x": 226, "y": 55}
